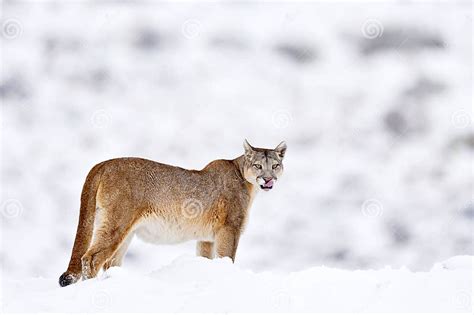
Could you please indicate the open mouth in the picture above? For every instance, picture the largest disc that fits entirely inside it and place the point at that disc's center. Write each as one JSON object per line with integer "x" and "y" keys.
{"x": 268, "y": 185}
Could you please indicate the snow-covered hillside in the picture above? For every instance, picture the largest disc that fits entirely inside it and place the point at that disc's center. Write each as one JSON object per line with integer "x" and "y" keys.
{"x": 194, "y": 284}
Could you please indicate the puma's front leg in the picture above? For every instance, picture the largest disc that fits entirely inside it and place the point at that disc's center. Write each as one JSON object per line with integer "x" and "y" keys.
{"x": 227, "y": 240}
{"x": 205, "y": 249}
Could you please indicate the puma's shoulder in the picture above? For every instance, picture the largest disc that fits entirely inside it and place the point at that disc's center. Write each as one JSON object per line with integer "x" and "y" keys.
{"x": 222, "y": 166}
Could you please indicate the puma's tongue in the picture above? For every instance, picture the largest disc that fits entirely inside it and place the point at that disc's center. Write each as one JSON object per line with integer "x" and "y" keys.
{"x": 268, "y": 184}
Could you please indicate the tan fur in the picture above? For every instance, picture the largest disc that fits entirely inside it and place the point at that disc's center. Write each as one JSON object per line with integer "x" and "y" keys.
{"x": 162, "y": 204}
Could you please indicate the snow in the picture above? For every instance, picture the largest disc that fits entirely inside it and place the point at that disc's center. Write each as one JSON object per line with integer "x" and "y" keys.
{"x": 196, "y": 284}
{"x": 379, "y": 165}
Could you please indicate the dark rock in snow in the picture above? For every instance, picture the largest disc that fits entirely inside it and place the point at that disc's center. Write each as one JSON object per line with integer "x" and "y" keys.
{"x": 147, "y": 39}
{"x": 296, "y": 52}
{"x": 401, "y": 40}
{"x": 14, "y": 88}
{"x": 399, "y": 233}
{"x": 425, "y": 87}
{"x": 395, "y": 122}
{"x": 468, "y": 212}
{"x": 340, "y": 254}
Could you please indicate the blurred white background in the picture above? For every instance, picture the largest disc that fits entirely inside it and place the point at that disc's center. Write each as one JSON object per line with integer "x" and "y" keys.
{"x": 373, "y": 98}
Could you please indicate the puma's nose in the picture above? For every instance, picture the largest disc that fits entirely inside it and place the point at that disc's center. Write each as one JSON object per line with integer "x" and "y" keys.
{"x": 267, "y": 179}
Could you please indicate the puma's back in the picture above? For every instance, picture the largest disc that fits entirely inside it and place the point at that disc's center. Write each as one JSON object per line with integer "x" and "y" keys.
{"x": 172, "y": 204}
{"x": 166, "y": 204}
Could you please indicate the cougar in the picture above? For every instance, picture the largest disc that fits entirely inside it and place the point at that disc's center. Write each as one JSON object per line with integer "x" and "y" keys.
{"x": 165, "y": 204}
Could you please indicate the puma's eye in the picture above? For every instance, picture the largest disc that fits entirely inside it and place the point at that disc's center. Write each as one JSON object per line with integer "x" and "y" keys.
{"x": 275, "y": 166}
{"x": 257, "y": 166}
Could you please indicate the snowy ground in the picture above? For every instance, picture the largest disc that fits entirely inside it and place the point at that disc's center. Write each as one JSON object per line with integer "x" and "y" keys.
{"x": 192, "y": 284}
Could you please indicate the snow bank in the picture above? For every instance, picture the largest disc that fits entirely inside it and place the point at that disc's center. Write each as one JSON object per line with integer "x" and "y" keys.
{"x": 194, "y": 284}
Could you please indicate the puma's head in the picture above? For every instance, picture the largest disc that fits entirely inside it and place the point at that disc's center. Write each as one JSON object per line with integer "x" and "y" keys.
{"x": 263, "y": 167}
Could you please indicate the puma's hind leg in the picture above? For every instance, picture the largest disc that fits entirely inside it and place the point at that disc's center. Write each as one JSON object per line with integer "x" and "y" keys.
{"x": 108, "y": 239}
{"x": 205, "y": 249}
{"x": 117, "y": 258}
{"x": 100, "y": 251}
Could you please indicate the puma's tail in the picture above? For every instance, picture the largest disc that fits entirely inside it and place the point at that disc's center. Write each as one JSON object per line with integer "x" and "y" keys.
{"x": 85, "y": 228}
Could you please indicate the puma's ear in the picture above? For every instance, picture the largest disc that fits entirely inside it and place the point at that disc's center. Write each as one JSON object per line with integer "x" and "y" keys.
{"x": 248, "y": 149}
{"x": 281, "y": 149}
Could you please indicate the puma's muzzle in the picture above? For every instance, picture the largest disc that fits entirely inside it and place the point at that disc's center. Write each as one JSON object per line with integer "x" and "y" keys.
{"x": 266, "y": 183}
